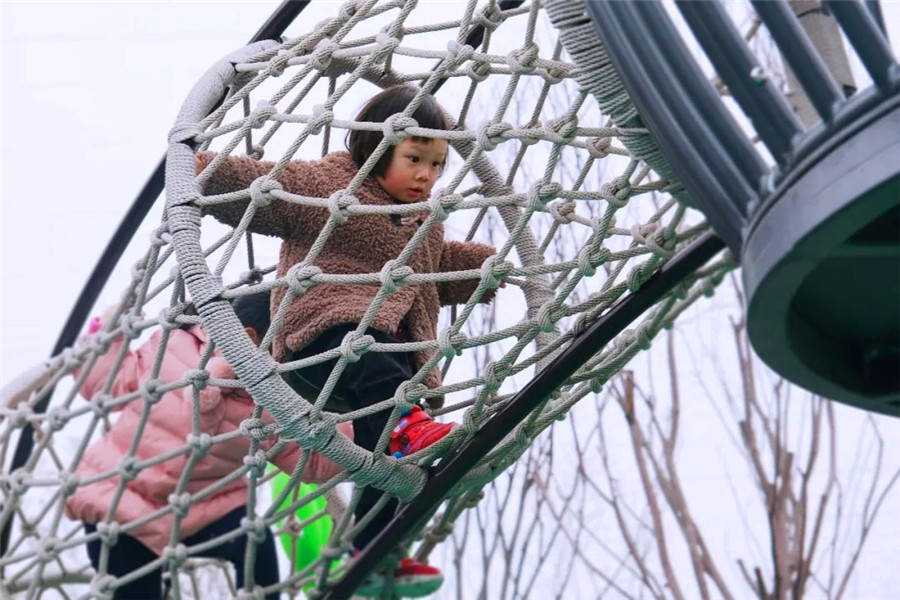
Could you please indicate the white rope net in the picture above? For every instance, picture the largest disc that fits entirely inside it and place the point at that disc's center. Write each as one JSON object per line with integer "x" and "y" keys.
{"x": 541, "y": 172}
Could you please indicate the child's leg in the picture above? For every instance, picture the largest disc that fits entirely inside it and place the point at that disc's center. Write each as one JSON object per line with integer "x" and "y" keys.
{"x": 373, "y": 378}
{"x": 266, "y": 565}
{"x": 126, "y": 556}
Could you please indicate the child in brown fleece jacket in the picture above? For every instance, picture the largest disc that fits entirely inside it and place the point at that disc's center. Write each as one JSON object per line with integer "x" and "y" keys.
{"x": 321, "y": 318}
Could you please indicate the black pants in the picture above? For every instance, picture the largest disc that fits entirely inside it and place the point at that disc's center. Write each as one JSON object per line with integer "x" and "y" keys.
{"x": 373, "y": 378}
{"x": 129, "y": 555}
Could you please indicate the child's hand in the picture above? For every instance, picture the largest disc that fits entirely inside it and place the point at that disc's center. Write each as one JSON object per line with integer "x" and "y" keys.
{"x": 211, "y": 396}
{"x": 97, "y": 323}
{"x": 198, "y": 164}
{"x": 219, "y": 368}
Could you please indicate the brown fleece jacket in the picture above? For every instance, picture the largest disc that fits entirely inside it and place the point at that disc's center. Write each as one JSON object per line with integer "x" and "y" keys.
{"x": 362, "y": 244}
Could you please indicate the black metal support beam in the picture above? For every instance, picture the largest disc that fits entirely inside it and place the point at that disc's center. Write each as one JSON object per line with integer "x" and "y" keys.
{"x": 453, "y": 468}
{"x": 800, "y": 53}
{"x": 274, "y": 26}
{"x": 759, "y": 98}
{"x": 714, "y": 159}
{"x": 867, "y": 39}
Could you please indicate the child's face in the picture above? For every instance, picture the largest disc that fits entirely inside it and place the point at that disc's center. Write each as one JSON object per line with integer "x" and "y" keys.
{"x": 414, "y": 167}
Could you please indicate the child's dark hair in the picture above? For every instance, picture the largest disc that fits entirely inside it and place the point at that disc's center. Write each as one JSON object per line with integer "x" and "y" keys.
{"x": 253, "y": 311}
{"x": 391, "y": 101}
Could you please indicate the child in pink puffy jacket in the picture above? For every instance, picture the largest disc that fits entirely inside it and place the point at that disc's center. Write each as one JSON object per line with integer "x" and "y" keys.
{"x": 168, "y": 427}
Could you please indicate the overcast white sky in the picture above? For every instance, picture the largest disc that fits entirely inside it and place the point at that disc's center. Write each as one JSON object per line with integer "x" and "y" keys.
{"x": 88, "y": 92}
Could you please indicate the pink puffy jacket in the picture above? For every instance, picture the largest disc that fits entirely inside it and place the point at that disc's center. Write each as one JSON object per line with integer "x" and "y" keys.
{"x": 168, "y": 427}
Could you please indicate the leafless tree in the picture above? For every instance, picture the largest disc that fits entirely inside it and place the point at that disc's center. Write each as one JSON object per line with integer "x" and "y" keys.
{"x": 614, "y": 503}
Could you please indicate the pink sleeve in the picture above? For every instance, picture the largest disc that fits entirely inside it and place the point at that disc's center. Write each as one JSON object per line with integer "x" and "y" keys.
{"x": 127, "y": 378}
{"x": 318, "y": 469}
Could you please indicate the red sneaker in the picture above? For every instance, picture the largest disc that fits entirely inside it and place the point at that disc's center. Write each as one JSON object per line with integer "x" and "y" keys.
{"x": 412, "y": 579}
{"x": 415, "y": 431}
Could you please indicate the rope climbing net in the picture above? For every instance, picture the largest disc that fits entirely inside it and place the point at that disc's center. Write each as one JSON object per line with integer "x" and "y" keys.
{"x": 550, "y": 167}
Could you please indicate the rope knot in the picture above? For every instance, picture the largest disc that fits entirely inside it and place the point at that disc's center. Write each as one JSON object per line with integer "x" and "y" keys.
{"x": 555, "y": 74}
{"x": 257, "y": 463}
{"x": 450, "y": 344}
{"x": 616, "y": 192}
{"x": 100, "y": 404}
{"x": 563, "y": 212}
{"x": 257, "y": 151}
{"x": 19, "y": 481}
{"x": 68, "y": 482}
{"x": 321, "y": 118}
{"x": 354, "y": 345}
{"x": 490, "y": 17}
{"x": 254, "y": 429}
{"x": 442, "y": 203}
{"x": 338, "y": 203}
{"x": 323, "y": 54}
{"x": 128, "y": 468}
{"x": 255, "y": 528}
{"x": 494, "y": 271}
{"x": 493, "y": 377}
{"x": 316, "y": 431}
{"x": 58, "y": 417}
{"x": 437, "y": 534}
{"x": 175, "y": 556}
{"x": 183, "y": 132}
{"x": 22, "y": 416}
{"x": 348, "y": 9}
{"x": 279, "y": 62}
{"x": 99, "y": 343}
{"x": 479, "y": 70}
{"x": 640, "y": 231}
{"x": 408, "y": 394}
{"x": 548, "y": 316}
{"x": 251, "y": 276}
{"x": 264, "y": 111}
{"x": 198, "y": 378}
{"x": 393, "y": 276}
{"x": 521, "y": 60}
{"x": 565, "y": 126}
{"x": 386, "y": 45}
{"x": 167, "y": 316}
{"x": 636, "y": 278}
{"x": 255, "y": 594}
{"x": 589, "y": 258}
{"x": 160, "y": 236}
{"x": 300, "y": 278}
{"x": 475, "y": 500}
{"x": 643, "y": 336}
{"x": 458, "y": 53}
{"x": 49, "y": 549}
{"x": 200, "y": 444}
{"x": 150, "y": 391}
{"x": 129, "y": 325}
{"x": 542, "y": 193}
{"x": 394, "y": 128}
{"x": 102, "y": 586}
{"x": 599, "y": 147}
{"x": 109, "y": 532}
{"x": 261, "y": 190}
{"x": 491, "y": 135}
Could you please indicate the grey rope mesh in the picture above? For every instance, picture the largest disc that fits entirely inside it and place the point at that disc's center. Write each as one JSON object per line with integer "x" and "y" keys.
{"x": 616, "y": 231}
